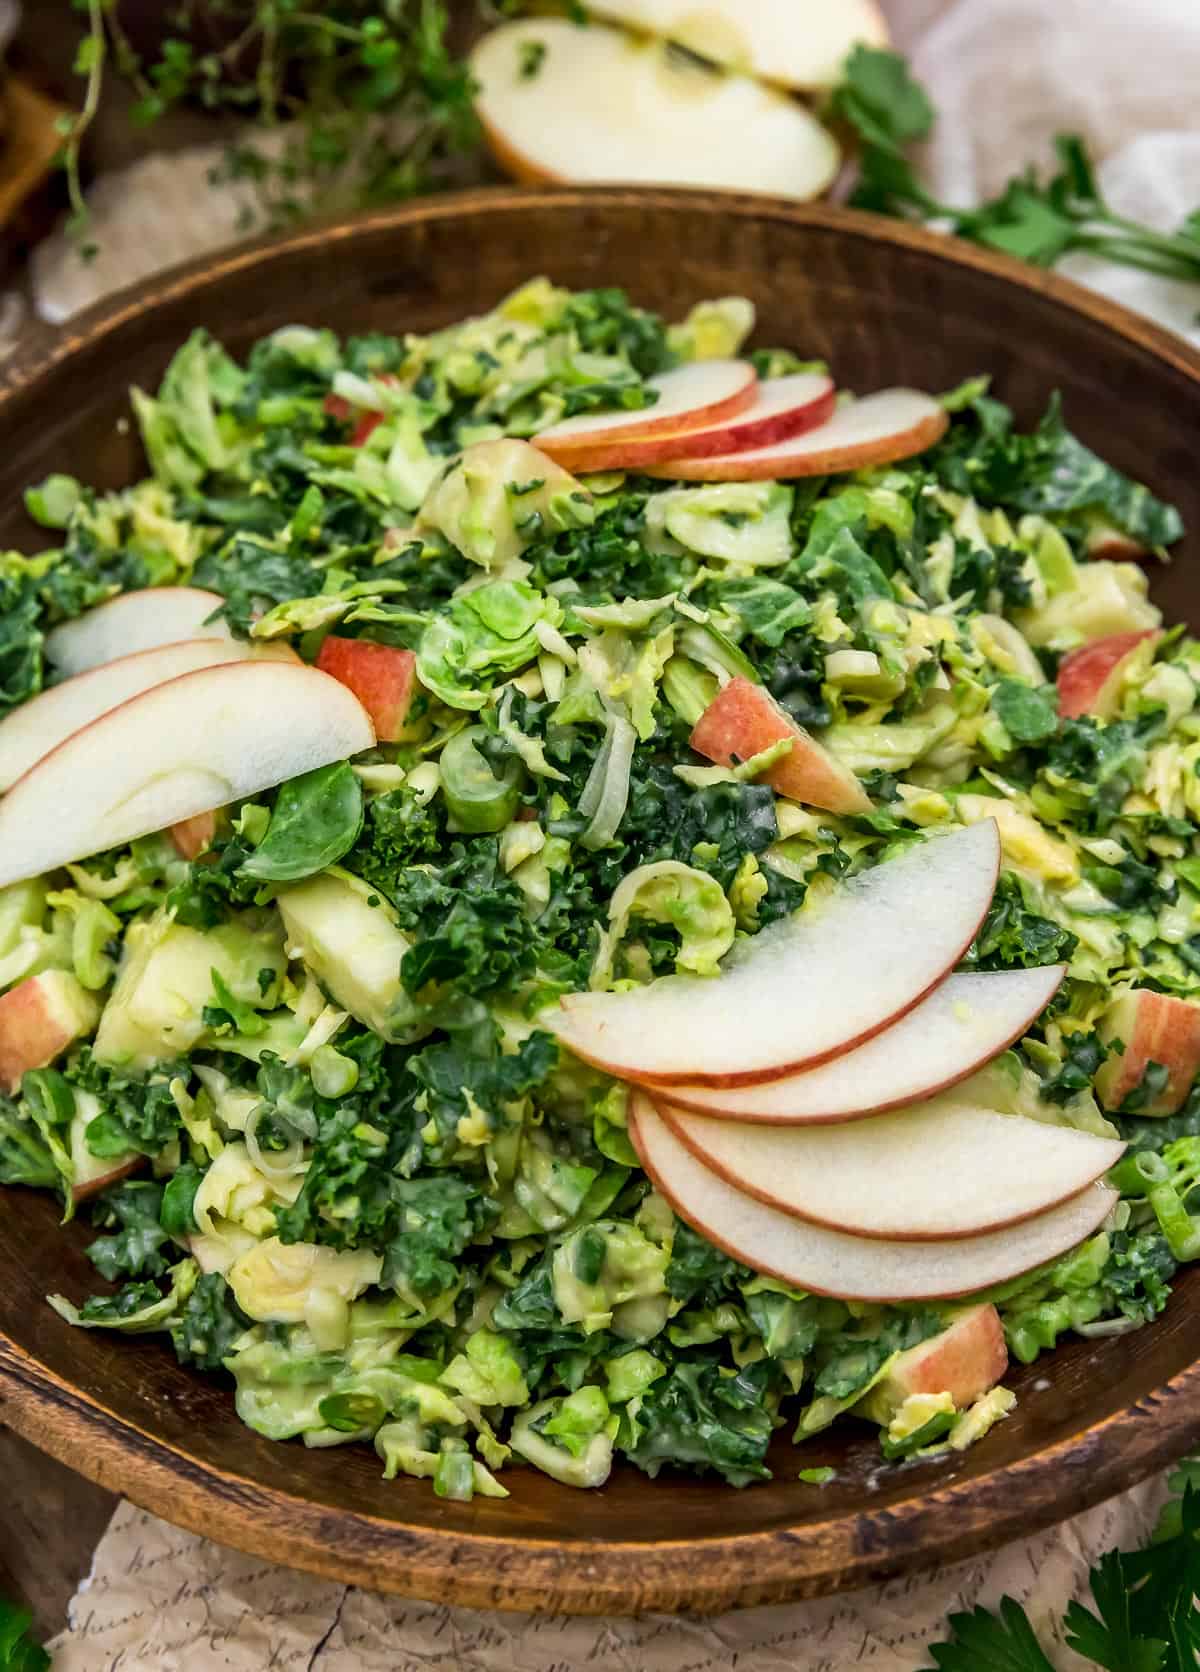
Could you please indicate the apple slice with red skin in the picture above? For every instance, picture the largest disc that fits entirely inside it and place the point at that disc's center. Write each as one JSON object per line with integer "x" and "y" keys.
{"x": 1109, "y": 545}
{"x": 1152, "y": 1027}
{"x": 782, "y": 407}
{"x": 743, "y": 719}
{"x": 926, "y": 1173}
{"x": 48, "y": 719}
{"x": 689, "y": 398}
{"x": 962, "y": 1024}
{"x": 383, "y": 678}
{"x": 966, "y": 1359}
{"x": 878, "y": 429}
{"x": 804, "y": 989}
{"x": 195, "y": 743}
{"x": 828, "y": 1262}
{"x": 39, "y": 1018}
{"x": 134, "y": 621}
{"x": 1089, "y": 679}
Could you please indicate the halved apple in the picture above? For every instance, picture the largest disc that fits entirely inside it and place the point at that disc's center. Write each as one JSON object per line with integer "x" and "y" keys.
{"x": 964, "y": 1023}
{"x": 134, "y": 621}
{"x": 805, "y": 989}
{"x": 690, "y": 397}
{"x": 743, "y": 719}
{"x": 1090, "y": 678}
{"x": 926, "y": 1173}
{"x": 800, "y": 46}
{"x": 833, "y": 1263}
{"x": 878, "y": 429}
{"x": 559, "y": 102}
{"x": 195, "y": 743}
{"x": 40, "y": 725}
{"x": 781, "y": 407}
{"x": 1142, "y": 1027}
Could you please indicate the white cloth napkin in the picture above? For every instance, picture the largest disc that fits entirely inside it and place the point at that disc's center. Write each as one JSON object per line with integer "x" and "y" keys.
{"x": 1006, "y": 75}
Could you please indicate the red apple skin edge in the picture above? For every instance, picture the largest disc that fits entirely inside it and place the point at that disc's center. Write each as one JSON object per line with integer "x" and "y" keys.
{"x": 84, "y": 1192}
{"x": 747, "y": 1188}
{"x": 965, "y": 1360}
{"x": 679, "y": 1093}
{"x": 704, "y": 1230}
{"x": 381, "y": 676}
{"x": 1088, "y": 678}
{"x": 32, "y": 1031}
{"x": 743, "y": 719}
{"x": 733, "y": 467}
{"x": 1154, "y": 1027}
{"x": 708, "y": 438}
{"x": 777, "y": 1071}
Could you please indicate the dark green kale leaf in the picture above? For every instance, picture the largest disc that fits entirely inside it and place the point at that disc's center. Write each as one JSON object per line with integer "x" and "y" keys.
{"x": 609, "y": 560}
{"x": 470, "y": 923}
{"x": 852, "y": 1356}
{"x": 1137, "y": 1276}
{"x": 137, "y": 1112}
{"x": 1015, "y": 937}
{"x": 699, "y": 1271}
{"x": 129, "y": 1300}
{"x": 457, "y": 1079}
{"x": 251, "y": 575}
{"x": 397, "y": 832}
{"x": 433, "y": 1220}
{"x": 1083, "y": 1054}
{"x": 1049, "y": 471}
{"x": 24, "y": 1155}
{"x": 700, "y": 1417}
{"x": 1132, "y": 886}
{"x": 606, "y": 322}
{"x": 134, "y": 1248}
{"x": 208, "y": 1323}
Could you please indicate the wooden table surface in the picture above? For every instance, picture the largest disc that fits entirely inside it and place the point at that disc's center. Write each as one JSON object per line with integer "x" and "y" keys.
{"x": 49, "y": 1526}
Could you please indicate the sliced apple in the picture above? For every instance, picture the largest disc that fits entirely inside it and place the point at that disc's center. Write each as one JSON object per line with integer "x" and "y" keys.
{"x": 800, "y": 46}
{"x": 383, "y": 678}
{"x": 962, "y": 1024}
{"x": 35, "y": 728}
{"x": 39, "y": 1018}
{"x": 878, "y": 429}
{"x": 966, "y": 1359}
{"x": 179, "y": 749}
{"x": 689, "y": 397}
{"x": 1105, "y": 544}
{"x": 805, "y": 989}
{"x": 923, "y": 1173}
{"x": 833, "y": 1263}
{"x": 743, "y": 719}
{"x": 1090, "y": 678}
{"x": 134, "y": 621}
{"x": 90, "y": 1174}
{"x": 782, "y": 407}
{"x": 1148, "y": 1027}
{"x": 561, "y": 102}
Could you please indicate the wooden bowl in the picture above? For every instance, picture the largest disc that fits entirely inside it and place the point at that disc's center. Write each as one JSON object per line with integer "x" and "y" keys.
{"x": 883, "y": 303}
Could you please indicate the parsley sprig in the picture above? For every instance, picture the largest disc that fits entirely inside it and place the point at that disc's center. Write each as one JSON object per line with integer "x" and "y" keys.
{"x": 1037, "y": 219}
{"x": 1144, "y": 1616}
{"x": 18, "y": 1651}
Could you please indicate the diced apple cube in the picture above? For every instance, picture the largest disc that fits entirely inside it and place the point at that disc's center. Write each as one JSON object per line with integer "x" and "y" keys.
{"x": 193, "y": 836}
{"x": 743, "y": 719}
{"x": 380, "y": 676}
{"x": 1153, "y": 1028}
{"x": 39, "y": 1018}
{"x": 964, "y": 1360}
{"x": 1090, "y": 679}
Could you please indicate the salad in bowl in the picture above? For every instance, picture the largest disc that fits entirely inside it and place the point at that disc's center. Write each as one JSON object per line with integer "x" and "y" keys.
{"x": 570, "y": 892}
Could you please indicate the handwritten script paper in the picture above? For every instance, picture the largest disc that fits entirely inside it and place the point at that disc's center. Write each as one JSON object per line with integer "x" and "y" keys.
{"x": 168, "y": 1601}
